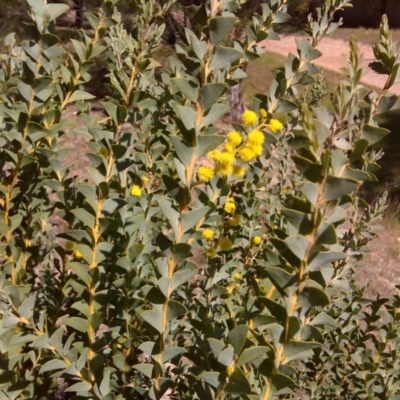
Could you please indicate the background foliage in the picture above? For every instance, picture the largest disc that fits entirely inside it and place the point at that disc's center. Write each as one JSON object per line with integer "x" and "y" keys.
{"x": 189, "y": 263}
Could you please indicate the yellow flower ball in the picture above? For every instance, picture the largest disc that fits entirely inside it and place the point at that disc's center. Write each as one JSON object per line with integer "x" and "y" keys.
{"x": 229, "y": 290}
{"x": 214, "y": 155}
{"x": 229, "y": 148}
{"x": 136, "y": 191}
{"x": 224, "y": 169}
{"x": 145, "y": 180}
{"x": 205, "y": 173}
{"x": 235, "y": 220}
{"x": 211, "y": 252}
{"x": 257, "y": 240}
{"x": 230, "y": 208}
{"x": 275, "y": 125}
{"x": 262, "y": 113}
{"x": 239, "y": 171}
{"x": 255, "y": 138}
{"x": 103, "y": 151}
{"x": 230, "y": 370}
{"x": 246, "y": 153}
{"x": 249, "y": 118}
{"x": 237, "y": 275}
{"x": 78, "y": 255}
{"x": 226, "y": 158}
{"x": 235, "y": 138}
{"x": 257, "y": 150}
{"x": 225, "y": 243}
{"x": 69, "y": 246}
{"x": 208, "y": 234}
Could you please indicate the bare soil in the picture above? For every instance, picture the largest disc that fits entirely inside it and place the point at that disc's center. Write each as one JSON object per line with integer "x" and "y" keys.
{"x": 333, "y": 56}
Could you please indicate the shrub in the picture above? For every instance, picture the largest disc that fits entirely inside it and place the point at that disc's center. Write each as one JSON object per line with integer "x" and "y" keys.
{"x": 190, "y": 264}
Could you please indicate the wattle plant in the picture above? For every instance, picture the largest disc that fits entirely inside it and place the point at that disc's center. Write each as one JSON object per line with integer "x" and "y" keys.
{"x": 192, "y": 260}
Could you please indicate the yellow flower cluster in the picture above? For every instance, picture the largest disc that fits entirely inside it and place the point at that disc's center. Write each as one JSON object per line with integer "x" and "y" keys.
{"x": 257, "y": 240}
{"x": 234, "y": 148}
{"x": 225, "y": 243}
{"x": 249, "y": 118}
{"x": 205, "y": 173}
{"x": 211, "y": 252}
{"x": 275, "y": 125}
{"x": 208, "y": 234}
{"x": 230, "y": 370}
{"x": 136, "y": 191}
{"x": 230, "y": 206}
{"x": 78, "y": 255}
{"x": 237, "y": 275}
{"x": 252, "y": 147}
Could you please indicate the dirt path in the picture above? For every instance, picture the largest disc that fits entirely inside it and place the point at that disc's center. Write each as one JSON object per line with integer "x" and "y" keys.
{"x": 333, "y": 51}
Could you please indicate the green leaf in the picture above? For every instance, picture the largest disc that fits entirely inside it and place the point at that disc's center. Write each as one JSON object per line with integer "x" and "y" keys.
{"x": 301, "y": 221}
{"x": 373, "y": 134}
{"x": 280, "y": 277}
{"x": 206, "y": 143}
{"x": 145, "y": 369}
{"x": 184, "y": 150}
{"x": 80, "y": 49}
{"x": 226, "y": 356}
{"x": 225, "y": 57}
{"x": 280, "y": 381}
{"x": 181, "y": 252}
{"x": 295, "y": 349}
{"x": 276, "y": 309}
{"x": 175, "y": 310}
{"x": 105, "y": 383}
{"x": 170, "y": 213}
{"x": 335, "y": 187}
{"x": 181, "y": 277}
{"x": 220, "y": 28}
{"x": 312, "y": 297}
{"x": 26, "y": 91}
{"x": 210, "y": 94}
{"x": 285, "y": 105}
{"x": 324, "y": 319}
{"x": 85, "y": 217}
{"x": 308, "y": 168}
{"x": 118, "y": 150}
{"x": 298, "y": 245}
{"x": 216, "y": 346}
{"x": 238, "y": 383}
{"x": 212, "y": 378}
{"x": 237, "y": 337}
{"x": 80, "y": 95}
{"x": 15, "y": 221}
{"x": 154, "y": 318}
{"x": 86, "y": 252}
{"x": 187, "y": 115}
{"x": 80, "y": 324}
{"x": 80, "y": 269}
{"x": 55, "y": 10}
{"x": 191, "y": 218}
{"x": 171, "y": 352}
{"x": 216, "y": 111}
{"x": 323, "y": 258}
{"x": 326, "y": 234}
{"x": 310, "y": 192}
{"x": 53, "y": 365}
{"x": 251, "y": 354}
{"x": 79, "y": 387}
{"x": 188, "y": 88}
